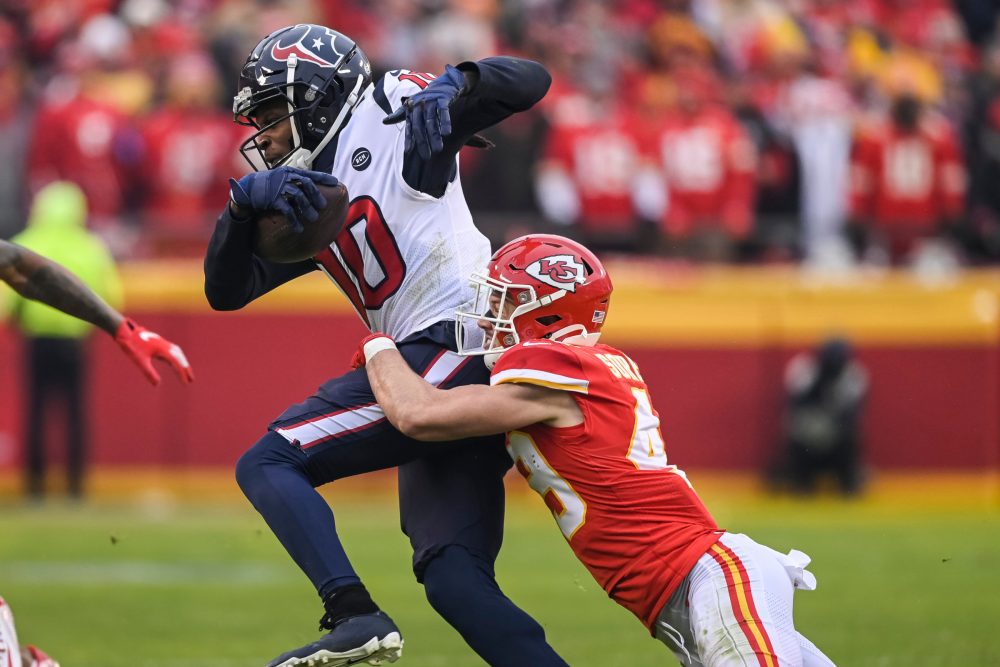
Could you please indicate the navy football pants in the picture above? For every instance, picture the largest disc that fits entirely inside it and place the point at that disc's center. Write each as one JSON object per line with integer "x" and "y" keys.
{"x": 451, "y": 498}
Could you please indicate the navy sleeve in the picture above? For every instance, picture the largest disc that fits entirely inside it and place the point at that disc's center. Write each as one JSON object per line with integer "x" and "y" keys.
{"x": 501, "y": 86}
{"x": 234, "y": 276}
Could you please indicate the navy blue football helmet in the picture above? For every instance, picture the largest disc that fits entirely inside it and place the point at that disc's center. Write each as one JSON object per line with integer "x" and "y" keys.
{"x": 319, "y": 73}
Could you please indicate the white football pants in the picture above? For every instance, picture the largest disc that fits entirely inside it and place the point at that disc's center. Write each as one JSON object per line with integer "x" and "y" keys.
{"x": 10, "y": 651}
{"x": 734, "y": 609}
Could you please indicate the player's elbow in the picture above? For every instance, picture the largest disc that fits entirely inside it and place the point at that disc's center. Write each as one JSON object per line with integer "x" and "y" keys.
{"x": 537, "y": 82}
{"x": 220, "y": 304}
{"x": 412, "y": 425}
{"x": 221, "y": 300}
{"x": 419, "y": 423}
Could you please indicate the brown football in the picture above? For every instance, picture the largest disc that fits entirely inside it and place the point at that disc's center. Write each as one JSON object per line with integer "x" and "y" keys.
{"x": 276, "y": 241}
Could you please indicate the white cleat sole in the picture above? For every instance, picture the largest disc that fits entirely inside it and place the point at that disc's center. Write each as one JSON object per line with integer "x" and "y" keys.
{"x": 373, "y": 652}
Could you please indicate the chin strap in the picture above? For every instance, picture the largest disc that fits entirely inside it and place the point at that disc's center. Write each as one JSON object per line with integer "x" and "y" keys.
{"x": 302, "y": 158}
{"x": 491, "y": 358}
{"x": 293, "y": 62}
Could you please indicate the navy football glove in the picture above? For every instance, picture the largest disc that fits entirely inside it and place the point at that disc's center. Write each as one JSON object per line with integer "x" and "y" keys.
{"x": 428, "y": 120}
{"x": 292, "y": 192}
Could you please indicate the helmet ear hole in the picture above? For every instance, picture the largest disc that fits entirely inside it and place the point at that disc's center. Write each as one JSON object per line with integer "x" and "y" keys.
{"x": 546, "y": 320}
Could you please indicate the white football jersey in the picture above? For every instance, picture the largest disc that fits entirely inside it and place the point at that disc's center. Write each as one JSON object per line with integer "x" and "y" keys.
{"x": 404, "y": 257}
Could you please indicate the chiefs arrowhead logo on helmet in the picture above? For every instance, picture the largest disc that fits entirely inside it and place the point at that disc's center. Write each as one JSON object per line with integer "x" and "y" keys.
{"x": 559, "y": 271}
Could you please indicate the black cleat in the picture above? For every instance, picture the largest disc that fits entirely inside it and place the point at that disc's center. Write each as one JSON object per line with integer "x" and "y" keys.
{"x": 371, "y": 639}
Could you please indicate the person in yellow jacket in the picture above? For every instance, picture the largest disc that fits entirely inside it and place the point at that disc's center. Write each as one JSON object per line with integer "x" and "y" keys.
{"x": 64, "y": 277}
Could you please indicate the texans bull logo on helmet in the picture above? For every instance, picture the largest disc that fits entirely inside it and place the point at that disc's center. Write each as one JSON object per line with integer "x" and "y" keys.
{"x": 281, "y": 52}
{"x": 559, "y": 271}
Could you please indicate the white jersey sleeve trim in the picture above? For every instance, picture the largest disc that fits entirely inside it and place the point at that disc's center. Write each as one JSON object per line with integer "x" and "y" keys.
{"x": 342, "y": 422}
{"x": 540, "y": 378}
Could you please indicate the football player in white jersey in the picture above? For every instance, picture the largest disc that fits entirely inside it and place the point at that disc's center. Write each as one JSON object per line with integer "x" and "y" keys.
{"x": 402, "y": 260}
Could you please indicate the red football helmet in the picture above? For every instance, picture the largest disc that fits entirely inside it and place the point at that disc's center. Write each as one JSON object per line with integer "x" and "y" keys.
{"x": 536, "y": 286}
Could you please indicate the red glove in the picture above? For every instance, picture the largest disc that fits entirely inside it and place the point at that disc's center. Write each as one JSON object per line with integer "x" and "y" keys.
{"x": 142, "y": 345}
{"x": 32, "y": 656}
{"x": 360, "y": 358}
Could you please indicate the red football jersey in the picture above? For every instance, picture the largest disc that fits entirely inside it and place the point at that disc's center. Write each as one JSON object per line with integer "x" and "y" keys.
{"x": 907, "y": 178}
{"x": 633, "y": 520}
{"x": 599, "y": 154}
{"x": 190, "y": 155}
{"x": 90, "y": 143}
{"x": 710, "y": 166}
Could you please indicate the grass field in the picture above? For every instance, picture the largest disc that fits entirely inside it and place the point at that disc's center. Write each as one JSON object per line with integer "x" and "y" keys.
{"x": 904, "y": 580}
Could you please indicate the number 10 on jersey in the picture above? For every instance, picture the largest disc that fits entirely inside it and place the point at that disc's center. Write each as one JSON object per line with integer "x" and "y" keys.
{"x": 346, "y": 267}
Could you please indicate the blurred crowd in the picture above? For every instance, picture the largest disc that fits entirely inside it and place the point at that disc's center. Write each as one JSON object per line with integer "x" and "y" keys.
{"x": 712, "y": 130}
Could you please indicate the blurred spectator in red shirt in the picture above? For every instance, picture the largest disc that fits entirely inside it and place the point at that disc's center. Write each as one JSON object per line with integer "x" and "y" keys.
{"x": 585, "y": 177}
{"x": 709, "y": 166}
{"x": 907, "y": 179}
{"x": 83, "y": 131}
{"x": 191, "y": 150}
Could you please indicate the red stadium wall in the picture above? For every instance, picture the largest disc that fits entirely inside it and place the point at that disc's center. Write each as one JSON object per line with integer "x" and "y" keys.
{"x": 716, "y": 378}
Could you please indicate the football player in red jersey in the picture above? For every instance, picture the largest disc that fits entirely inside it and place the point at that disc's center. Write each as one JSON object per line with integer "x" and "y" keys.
{"x": 582, "y": 430}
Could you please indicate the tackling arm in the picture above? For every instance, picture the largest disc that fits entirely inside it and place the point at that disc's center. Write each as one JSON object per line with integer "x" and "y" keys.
{"x": 424, "y": 412}
{"x": 40, "y": 279}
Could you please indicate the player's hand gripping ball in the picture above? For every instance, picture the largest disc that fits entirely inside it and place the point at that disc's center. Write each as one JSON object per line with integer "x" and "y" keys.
{"x": 296, "y": 213}
{"x": 275, "y": 237}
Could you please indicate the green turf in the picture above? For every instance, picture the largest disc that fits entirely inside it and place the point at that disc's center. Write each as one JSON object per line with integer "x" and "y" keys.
{"x": 186, "y": 586}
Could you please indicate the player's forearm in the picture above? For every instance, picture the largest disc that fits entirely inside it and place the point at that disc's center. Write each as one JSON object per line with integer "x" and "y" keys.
{"x": 229, "y": 264}
{"x": 515, "y": 84}
{"x": 402, "y": 394}
{"x": 233, "y": 275}
{"x": 415, "y": 407}
{"x": 37, "y": 278}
